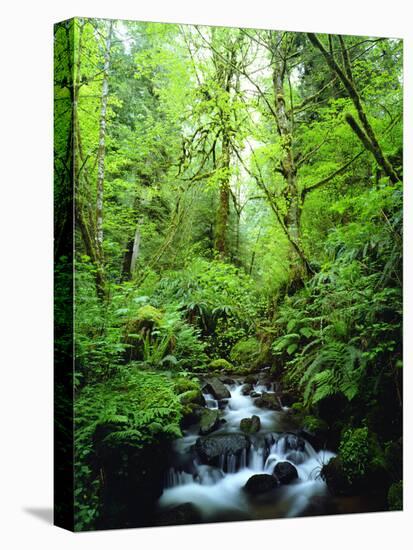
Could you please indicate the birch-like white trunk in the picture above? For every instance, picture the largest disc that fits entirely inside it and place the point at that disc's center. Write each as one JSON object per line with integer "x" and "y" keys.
{"x": 136, "y": 247}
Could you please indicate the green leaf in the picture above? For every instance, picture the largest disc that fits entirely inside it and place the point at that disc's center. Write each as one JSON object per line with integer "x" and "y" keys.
{"x": 306, "y": 331}
{"x": 291, "y": 348}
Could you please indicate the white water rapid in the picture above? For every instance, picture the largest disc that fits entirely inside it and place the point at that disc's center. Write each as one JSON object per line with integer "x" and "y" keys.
{"x": 217, "y": 489}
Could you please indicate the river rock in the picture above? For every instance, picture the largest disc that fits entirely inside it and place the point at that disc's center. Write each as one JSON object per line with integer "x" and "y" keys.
{"x": 180, "y": 515}
{"x": 209, "y": 421}
{"x": 246, "y": 389}
{"x": 192, "y": 397}
{"x": 285, "y": 472}
{"x": 250, "y": 425}
{"x": 217, "y": 389}
{"x": 335, "y": 477}
{"x": 260, "y": 483}
{"x": 210, "y": 448}
{"x": 192, "y": 416}
{"x": 255, "y": 394}
{"x": 251, "y": 379}
{"x": 227, "y": 380}
{"x": 268, "y": 401}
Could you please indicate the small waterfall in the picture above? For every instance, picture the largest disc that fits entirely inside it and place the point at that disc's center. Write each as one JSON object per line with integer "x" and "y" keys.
{"x": 175, "y": 478}
{"x": 219, "y": 488}
{"x": 231, "y": 463}
{"x": 210, "y": 402}
{"x": 256, "y": 458}
{"x": 207, "y": 475}
{"x": 243, "y": 459}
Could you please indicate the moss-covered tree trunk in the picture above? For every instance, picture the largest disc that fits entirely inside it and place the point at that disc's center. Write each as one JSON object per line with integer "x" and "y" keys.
{"x": 102, "y": 140}
{"x": 221, "y": 227}
{"x": 288, "y": 169}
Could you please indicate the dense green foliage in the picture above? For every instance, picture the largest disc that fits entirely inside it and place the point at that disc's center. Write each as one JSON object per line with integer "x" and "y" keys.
{"x": 238, "y": 206}
{"x": 135, "y": 408}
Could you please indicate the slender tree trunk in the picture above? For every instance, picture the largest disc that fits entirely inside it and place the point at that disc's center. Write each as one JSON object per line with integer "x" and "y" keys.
{"x": 131, "y": 255}
{"x": 135, "y": 249}
{"x": 223, "y": 207}
{"x": 102, "y": 138}
{"x": 225, "y": 68}
{"x": 285, "y": 127}
{"x": 254, "y": 252}
{"x": 84, "y": 212}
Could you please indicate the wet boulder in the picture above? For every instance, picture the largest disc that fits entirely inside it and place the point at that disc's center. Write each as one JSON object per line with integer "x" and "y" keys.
{"x": 210, "y": 448}
{"x": 250, "y": 425}
{"x": 268, "y": 401}
{"x": 192, "y": 415}
{"x": 285, "y": 472}
{"x": 246, "y": 389}
{"x": 260, "y": 483}
{"x": 215, "y": 387}
{"x": 209, "y": 421}
{"x": 251, "y": 379}
{"x": 227, "y": 380}
{"x": 334, "y": 475}
{"x": 192, "y": 397}
{"x": 255, "y": 394}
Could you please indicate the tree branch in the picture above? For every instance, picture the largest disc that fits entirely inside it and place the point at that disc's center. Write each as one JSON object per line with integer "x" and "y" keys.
{"x": 325, "y": 180}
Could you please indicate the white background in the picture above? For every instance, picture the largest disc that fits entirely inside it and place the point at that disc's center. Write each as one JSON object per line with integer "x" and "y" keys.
{"x": 26, "y": 273}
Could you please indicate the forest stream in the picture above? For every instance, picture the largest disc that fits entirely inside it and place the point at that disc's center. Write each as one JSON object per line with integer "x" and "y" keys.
{"x": 212, "y": 472}
{"x": 234, "y": 299}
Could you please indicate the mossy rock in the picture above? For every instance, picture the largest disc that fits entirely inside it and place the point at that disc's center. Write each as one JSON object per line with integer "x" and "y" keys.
{"x": 268, "y": 401}
{"x": 251, "y": 379}
{"x": 150, "y": 314}
{"x": 192, "y": 397}
{"x": 336, "y": 478}
{"x": 250, "y": 425}
{"x": 182, "y": 385}
{"x": 221, "y": 365}
{"x": 245, "y": 352}
{"x": 209, "y": 421}
{"x": 395, "y": 496}
{"x": 146, "y": 319}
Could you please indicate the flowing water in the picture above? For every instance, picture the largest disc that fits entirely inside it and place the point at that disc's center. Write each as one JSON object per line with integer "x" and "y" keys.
{"x": 217, "y": 490}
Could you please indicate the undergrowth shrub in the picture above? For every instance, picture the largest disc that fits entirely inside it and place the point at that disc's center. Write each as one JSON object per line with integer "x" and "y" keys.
{"x": 354, "y": 453}
{"x": 218, "y": 299}
{"x": 341, "y": 334}
{"x": 136, "y": 408}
